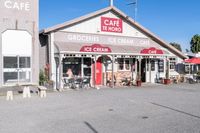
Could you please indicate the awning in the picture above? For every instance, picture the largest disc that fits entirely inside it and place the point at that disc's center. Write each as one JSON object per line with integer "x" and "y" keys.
{"x": 64, "y": 47}
{"x": 194, "y": 60}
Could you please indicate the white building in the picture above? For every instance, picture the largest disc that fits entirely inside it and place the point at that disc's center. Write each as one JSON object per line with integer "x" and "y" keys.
{"x": 19, "y": 56}
{"x": 107, "y": 45}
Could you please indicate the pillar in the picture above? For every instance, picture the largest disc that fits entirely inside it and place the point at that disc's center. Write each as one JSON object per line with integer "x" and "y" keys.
{"x": 113, "y": 71}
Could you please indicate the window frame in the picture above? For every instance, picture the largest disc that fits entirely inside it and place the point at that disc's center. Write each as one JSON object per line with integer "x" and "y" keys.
{"x": 172, "y": 63}
{"x": 124, "y": 64}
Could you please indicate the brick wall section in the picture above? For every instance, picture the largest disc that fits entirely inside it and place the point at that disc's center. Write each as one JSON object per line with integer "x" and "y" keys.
{"x": 118, "y": 75}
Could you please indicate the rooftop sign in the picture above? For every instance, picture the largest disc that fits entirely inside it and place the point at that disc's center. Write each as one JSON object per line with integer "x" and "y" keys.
{"x": 111, "y": 25}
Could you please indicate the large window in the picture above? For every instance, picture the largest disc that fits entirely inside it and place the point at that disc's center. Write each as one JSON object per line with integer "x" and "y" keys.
{"x": 124, "y": 64}
{"x": 172, "y": 63}
{"x": 16, "y": 69}
{"x": 72, "y": 64}
{"x": 160, "y": 65}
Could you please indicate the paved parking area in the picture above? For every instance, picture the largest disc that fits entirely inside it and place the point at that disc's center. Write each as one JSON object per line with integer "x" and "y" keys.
{"x": 148, "y": 109}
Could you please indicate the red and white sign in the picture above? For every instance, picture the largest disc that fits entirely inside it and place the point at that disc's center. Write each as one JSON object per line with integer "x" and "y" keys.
{"x": 96, "y": 48}
{"x": 111, "y": 25}
{"x": 151, "y": 50}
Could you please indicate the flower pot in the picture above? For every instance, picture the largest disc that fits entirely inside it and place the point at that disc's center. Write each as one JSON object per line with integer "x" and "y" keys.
{"x": 138, "y": 82}
{"x": 167, "y": 81}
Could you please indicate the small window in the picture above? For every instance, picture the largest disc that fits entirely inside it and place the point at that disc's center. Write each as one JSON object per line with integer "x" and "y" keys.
{"x": 120, "y": 64}
{"x": 161, "y": 66}
{"x": 10, "y": 62}
{"x": 127, "y": 64}
{"x": 172, "y": 63}
{"x": 124, "y": 64}
{"x": 24, "y": 62}
{"x": 152, "y": 65}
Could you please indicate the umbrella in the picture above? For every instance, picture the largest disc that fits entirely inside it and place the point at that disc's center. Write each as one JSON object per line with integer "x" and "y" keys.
{"x": 194, "y": 60}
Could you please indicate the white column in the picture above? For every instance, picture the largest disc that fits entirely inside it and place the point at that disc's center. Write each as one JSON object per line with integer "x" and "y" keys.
{"x": 60, "y": 72}
{"x": 139, "y": 74}
{"x": 82, "y": 73}
{"x": 113, "y": 71}
{"x": 95, "y": 61}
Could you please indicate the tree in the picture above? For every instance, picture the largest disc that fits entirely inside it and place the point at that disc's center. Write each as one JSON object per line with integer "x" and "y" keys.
{"x": 176, "y": 45}
{"x": 195, "y": 44}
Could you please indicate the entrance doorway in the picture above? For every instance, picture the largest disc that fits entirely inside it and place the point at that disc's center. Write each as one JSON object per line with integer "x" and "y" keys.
{"x": 143, "y": 70}
{"x": 99, "y": 71}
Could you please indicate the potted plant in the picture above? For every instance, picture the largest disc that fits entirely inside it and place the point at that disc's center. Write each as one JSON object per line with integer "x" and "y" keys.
{"x": 42, "y": 78}
{"x": 167, "y": 79}
{"x": 138, "y": 80}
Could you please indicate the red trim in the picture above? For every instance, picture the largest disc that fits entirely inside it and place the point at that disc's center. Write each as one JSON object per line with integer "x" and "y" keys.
{"x": 97, "y": 48}
{"x": 151, "y": 50}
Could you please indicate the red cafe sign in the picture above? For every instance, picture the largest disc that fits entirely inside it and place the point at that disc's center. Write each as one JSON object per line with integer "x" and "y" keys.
{"x": 111, "y": 25}
{"x": 151, "y": 50}
{"x": 96, "y": 48}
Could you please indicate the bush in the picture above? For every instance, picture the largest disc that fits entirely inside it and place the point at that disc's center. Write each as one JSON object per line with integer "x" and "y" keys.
{"x": 42, "y": 78}
{"x": 198, "y": 73}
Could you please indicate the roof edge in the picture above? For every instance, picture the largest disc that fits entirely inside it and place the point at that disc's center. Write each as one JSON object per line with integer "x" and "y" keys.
{"x": 129, "y": 19}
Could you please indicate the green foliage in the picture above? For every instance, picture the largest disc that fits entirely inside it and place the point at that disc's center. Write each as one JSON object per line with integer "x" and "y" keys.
{"x": 176, "y": 45}
{"x": 198, "y": 73}
{"x": 195, "y": 43}
{"x": 42, "y": 78}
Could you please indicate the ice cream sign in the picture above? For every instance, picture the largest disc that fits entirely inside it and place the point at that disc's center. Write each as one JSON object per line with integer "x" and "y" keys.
{"x": 111, "y": 25}
{"x": 17, "y": 5}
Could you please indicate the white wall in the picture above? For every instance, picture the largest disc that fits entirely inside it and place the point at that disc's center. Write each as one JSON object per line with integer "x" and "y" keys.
{"x": 16, "y": 42}
{"x": 93, "y": 26}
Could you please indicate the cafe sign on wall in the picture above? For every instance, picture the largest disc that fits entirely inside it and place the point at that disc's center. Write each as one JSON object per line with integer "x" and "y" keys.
{"x": 111, "y": 25}
{"x": 19, "y": 9}
{"x": 17, "y": 5}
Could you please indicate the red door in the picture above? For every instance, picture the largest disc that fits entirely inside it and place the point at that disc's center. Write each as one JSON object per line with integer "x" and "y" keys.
{"x": 99, "y": 71}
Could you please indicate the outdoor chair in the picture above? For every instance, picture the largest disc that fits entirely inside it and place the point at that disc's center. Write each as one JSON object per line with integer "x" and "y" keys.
{"x": 86, "y": 82}
{"x": 76, "y": 83}
{"x": 66, "y": 83}
{"x": 192, "y": 80}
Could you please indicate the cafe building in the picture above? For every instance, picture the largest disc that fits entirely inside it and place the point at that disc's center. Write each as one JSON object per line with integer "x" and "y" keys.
{"x": 19, "y": 45}
{"x": 106, "y": 46}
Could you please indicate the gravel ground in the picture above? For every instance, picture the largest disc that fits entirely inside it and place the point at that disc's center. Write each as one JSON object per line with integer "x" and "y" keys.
{"x": 148, "y": 109}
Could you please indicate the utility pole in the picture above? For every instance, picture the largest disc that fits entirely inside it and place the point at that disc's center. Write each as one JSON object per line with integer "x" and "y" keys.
{"x": 136, "y": 8}
{"x": 111, "y": 2}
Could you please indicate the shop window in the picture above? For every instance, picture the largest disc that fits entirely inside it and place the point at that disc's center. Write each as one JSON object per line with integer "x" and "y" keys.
{"x": 74, "y": 64}
{"x": 172, "y": 63}
{"x": 24, "y": 62}
{"x": 127, "y": 64}
{"x": 10, "y": 77}
{"x": 161, "y": 66}
{"x": 16, "y": 69}
{"x": 120, "y": 64}
{"x": 87, "y": 67}
{"x": 10, "y": 62}
{"x": 152, "y": 65}
{"x": 124, "y": 64}
{"x": 87, "y": 62}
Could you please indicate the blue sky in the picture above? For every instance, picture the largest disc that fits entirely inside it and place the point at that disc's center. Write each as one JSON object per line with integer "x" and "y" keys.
{"x": 171, "y": 20}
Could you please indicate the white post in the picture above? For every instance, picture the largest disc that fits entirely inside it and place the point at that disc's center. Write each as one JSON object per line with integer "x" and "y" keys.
{"x": 111, "y": 2}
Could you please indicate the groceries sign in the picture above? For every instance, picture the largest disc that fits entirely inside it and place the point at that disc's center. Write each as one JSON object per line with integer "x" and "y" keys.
{"x": 111, "y": 25}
